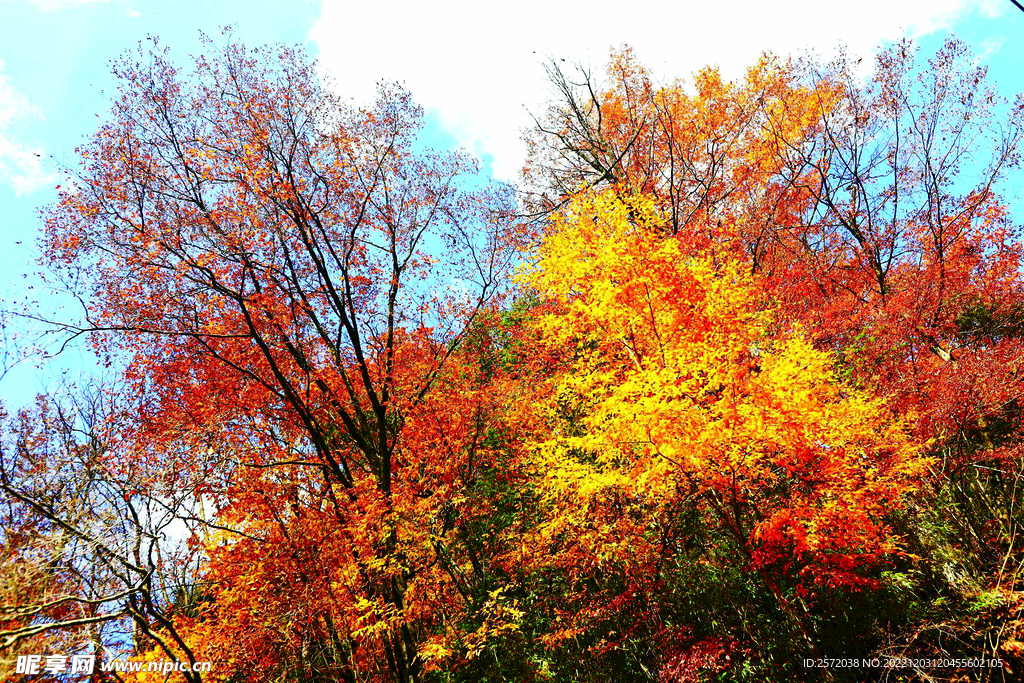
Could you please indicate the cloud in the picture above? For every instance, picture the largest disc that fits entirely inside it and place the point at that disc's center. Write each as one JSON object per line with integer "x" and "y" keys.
{"x": 478, "y": 65}
{"x": 20, "y": 166}
{"x": 990, "y": 46}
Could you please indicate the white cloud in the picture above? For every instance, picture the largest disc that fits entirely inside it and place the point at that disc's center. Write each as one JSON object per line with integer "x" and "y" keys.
{"x": 990, "y": 46}
{"x": 477, "y": 64}
{"x": 20, "y": 166}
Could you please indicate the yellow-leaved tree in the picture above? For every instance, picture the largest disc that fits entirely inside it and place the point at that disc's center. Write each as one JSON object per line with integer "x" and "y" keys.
{"x": 681, "y": 392}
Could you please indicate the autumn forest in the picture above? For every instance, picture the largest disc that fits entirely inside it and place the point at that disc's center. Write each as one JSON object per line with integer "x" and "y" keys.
{"x": 727, "y": 387}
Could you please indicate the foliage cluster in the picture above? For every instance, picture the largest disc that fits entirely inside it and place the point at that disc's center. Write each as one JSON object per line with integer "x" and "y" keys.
{"x": 730, "y": 381}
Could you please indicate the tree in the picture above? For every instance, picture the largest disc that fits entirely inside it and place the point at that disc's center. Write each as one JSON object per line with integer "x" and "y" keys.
{"x": 89, "y": 557}
{"x": 870, "y": 210}
{"x": 677, "y": 392}
{"x": 291, "y": 278}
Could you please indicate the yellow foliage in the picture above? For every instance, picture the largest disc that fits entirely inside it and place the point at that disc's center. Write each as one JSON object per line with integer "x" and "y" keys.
{"x": 681, "y": 381}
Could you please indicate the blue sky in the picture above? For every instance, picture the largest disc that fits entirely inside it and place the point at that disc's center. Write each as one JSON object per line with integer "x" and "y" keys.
{"x": 56, "y": 59}
{"x": 476, "y": 70}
